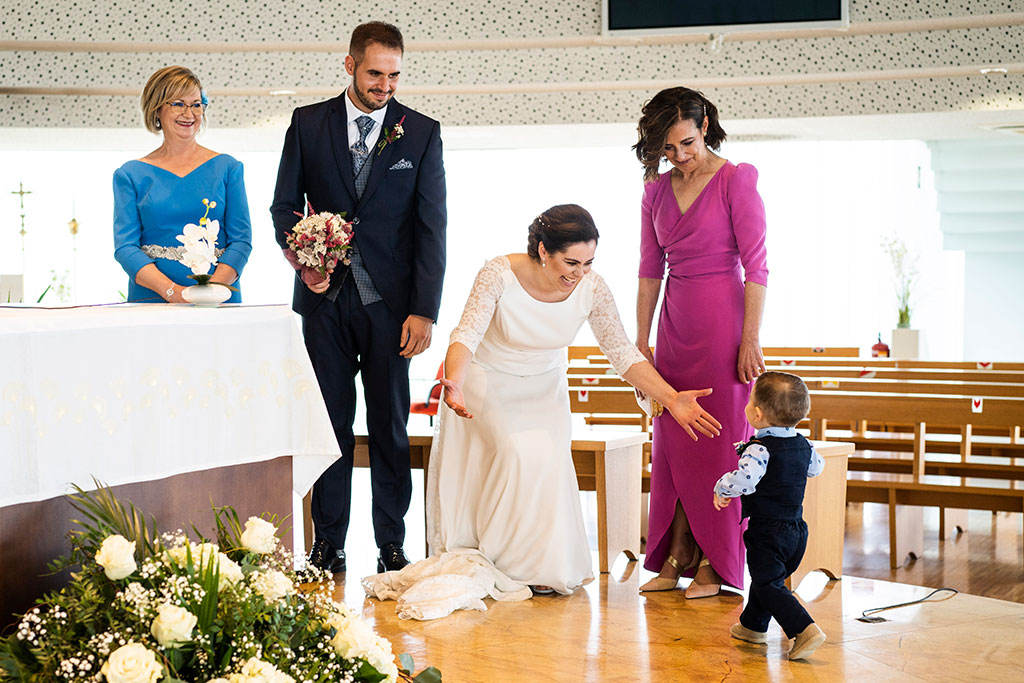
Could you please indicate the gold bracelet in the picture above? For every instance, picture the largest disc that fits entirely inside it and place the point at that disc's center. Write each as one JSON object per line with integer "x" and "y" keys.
{"x": 656, "y": 408}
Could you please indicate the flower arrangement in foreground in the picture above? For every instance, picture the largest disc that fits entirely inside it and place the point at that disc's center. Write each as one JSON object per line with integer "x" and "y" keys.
{"x": 146, "y": 608}
{"x": 317, "y": 242}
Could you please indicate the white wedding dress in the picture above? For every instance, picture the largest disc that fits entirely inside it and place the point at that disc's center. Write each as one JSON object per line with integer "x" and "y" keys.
{"x": 501, "y": 487}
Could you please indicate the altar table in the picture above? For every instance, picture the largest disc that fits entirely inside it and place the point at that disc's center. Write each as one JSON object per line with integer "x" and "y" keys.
{"x": 142, "y": 391}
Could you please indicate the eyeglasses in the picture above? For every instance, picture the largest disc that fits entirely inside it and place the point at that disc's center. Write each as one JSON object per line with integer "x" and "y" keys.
{"x": 179, "y": 107}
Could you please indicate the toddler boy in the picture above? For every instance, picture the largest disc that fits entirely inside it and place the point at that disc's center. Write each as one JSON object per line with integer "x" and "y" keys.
{"x": 773, "y": 470}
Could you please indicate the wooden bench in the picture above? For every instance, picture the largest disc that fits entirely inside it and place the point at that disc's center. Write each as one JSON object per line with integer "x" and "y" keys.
{"x": 607, "y": 462}
{"x": 783, "y": 362}
{"x": 914, "y": 484}
{"x": 588, "y": 352}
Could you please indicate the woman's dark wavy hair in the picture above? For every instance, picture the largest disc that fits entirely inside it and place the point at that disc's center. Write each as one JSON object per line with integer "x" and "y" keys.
{"x": 559, "y": 228}
{"x": 666, "y": 109}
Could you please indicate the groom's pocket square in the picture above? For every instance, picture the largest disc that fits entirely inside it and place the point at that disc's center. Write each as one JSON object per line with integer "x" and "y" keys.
{"x": 402, "y": 165}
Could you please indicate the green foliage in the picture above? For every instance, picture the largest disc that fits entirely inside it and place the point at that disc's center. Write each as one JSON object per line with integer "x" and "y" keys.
{"x": 428, "y": 675}
{"x": 105, "y": 515}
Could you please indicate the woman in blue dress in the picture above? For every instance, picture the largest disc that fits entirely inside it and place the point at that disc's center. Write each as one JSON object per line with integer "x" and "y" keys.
{"x": 157, "y": 195}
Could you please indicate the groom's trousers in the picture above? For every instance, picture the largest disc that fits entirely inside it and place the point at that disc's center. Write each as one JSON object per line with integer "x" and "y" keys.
{"x": 344, "y": 338}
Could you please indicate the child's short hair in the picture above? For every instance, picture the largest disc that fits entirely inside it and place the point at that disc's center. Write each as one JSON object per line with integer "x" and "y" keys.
{"x": 782, "y": 397}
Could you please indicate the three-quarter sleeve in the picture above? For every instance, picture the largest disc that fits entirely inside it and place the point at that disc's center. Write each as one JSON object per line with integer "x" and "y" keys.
{"x": 652, "y": 255}
{"x": 237, "y": 228}
{"x": 127, "y": 226}
{"x": 483, "y": 299}
{"x": 607, "y": 326}
{"x": 748, "y": 223}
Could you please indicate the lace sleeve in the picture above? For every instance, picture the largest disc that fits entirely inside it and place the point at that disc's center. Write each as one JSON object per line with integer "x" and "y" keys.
{"x": 483, "y": 298}
{"x": 611, "y": 337}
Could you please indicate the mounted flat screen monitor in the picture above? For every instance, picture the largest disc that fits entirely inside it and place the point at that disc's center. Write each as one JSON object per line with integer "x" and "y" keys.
{"x": 721, "y": 16}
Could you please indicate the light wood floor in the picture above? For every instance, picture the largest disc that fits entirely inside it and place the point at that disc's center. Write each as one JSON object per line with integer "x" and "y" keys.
{"x": 985, "y": 560}
{"x": 606, "y": 631}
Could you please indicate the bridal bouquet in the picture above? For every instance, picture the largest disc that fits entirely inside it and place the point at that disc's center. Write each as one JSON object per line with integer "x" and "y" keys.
{"x": 143, "y": 607}
{"x": 317, "y": 242}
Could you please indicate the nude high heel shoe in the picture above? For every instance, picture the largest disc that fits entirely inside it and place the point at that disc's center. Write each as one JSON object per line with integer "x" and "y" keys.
{"x": 665, "y": 583}
{"x": 703, "y": 590}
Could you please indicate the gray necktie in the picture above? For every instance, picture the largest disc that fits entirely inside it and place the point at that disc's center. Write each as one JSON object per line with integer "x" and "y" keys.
{"x": 368, "y": 293}
{"x": 360, "y": 153}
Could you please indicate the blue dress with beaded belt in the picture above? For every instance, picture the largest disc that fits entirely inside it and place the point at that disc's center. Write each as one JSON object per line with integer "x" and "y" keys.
{"x": 153, "y": 205}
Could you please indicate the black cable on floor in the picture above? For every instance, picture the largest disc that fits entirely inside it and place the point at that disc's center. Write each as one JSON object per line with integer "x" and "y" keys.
{"x": 868, "y": 619}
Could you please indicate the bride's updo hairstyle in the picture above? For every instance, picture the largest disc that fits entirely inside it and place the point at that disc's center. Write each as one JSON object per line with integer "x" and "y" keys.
{"x": 559, "y": 228}
{"x": 666, "y": 109}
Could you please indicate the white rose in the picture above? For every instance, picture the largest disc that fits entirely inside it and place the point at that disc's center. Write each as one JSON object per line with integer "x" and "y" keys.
{"x": 260, "y": 536}
{"x": 230, "y": 572}
{"x": 117, "y": 557}
{"x": 173, "y": 625}
{"x": 356, "y": 640}
{"x": 258, "y": 670}
{"x": 132, "y": 663}
{"x": 382, "y": 659}
{"x": 273, "y": 585}
{"x": 201, "y": 553}
{"x": 218, "y": 680}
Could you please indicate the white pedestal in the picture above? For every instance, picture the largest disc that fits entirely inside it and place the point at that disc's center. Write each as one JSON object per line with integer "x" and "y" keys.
{"x": 905, "y": 343}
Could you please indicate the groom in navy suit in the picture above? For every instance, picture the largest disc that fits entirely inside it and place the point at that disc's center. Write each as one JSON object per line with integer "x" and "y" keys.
{"x": 367, "y": 156}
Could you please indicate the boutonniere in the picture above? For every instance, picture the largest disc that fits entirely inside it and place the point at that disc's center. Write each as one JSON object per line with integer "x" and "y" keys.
{"x": 389, "y": 136}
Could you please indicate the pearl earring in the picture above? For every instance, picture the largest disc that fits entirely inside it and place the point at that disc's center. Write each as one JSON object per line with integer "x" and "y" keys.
{"x": 543, "y": 263}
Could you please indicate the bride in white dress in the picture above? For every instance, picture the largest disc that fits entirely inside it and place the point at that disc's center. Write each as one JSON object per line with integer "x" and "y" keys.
{"x": 503, "y": 504}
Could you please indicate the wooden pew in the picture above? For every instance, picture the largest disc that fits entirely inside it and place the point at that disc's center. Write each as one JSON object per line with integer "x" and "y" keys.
{"x": 783, "y": 362}
{"x": 917, "y": 486}
{"x": 587, "y": 352}
{"x": 605, "y": 396}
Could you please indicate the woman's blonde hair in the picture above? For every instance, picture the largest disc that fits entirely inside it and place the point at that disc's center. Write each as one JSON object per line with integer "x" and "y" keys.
{"x": 166, "y": 85}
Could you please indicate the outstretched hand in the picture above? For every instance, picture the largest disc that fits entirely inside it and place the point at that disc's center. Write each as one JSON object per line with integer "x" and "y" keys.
{"x": 690, "y": 416}
{"x": 454, "y": 399}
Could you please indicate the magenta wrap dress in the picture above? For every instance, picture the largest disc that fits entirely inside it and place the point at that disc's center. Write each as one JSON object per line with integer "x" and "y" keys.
{"x": 710, "y": 251}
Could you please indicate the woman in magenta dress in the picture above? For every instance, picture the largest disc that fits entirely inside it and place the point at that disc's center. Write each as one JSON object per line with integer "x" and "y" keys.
{"x": 705, "y": 220}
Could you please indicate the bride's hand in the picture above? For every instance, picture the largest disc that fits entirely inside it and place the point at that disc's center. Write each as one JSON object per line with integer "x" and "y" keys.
{"x": 454, "y": 399}
{"x": 688, "y": 413}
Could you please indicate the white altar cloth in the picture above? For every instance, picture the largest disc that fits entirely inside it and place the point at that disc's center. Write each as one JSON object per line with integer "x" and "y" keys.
{"x": 138, "y": 392}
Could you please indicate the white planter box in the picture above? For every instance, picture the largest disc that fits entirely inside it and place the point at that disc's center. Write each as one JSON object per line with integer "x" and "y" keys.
{"x": 905, "y": 344}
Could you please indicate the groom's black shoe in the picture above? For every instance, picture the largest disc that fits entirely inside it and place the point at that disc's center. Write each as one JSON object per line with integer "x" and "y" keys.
{"x": 392, "y": 558}
{"x": 324, "y": 556}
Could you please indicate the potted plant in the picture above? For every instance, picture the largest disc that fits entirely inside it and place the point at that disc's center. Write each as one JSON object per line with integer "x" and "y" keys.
{"x": 904, "y": 266}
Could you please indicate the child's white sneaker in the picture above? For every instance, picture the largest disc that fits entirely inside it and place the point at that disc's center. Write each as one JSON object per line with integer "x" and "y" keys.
{"x": 741, "y": 632}
{"x": 807, "y": 642}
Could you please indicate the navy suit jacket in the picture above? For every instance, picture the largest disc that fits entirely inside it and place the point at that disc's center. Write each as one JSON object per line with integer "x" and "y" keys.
{"x": 402, "y": 215}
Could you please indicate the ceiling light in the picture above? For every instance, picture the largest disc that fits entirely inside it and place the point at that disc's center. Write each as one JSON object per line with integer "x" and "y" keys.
{"x": 993, "y": 70}
{"x": 292, "y": 92}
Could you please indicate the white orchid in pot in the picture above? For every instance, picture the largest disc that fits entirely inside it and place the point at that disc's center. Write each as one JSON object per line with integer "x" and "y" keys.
{"x": 904, "y": 265}
{"x": 199, "y": 254}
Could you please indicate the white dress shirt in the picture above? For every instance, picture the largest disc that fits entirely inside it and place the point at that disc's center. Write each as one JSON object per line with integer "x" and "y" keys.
{"x": 353, "y": 112}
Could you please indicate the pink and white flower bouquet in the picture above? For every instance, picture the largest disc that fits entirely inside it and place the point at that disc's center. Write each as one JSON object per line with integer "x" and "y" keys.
{"x": 317, "y": 243}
